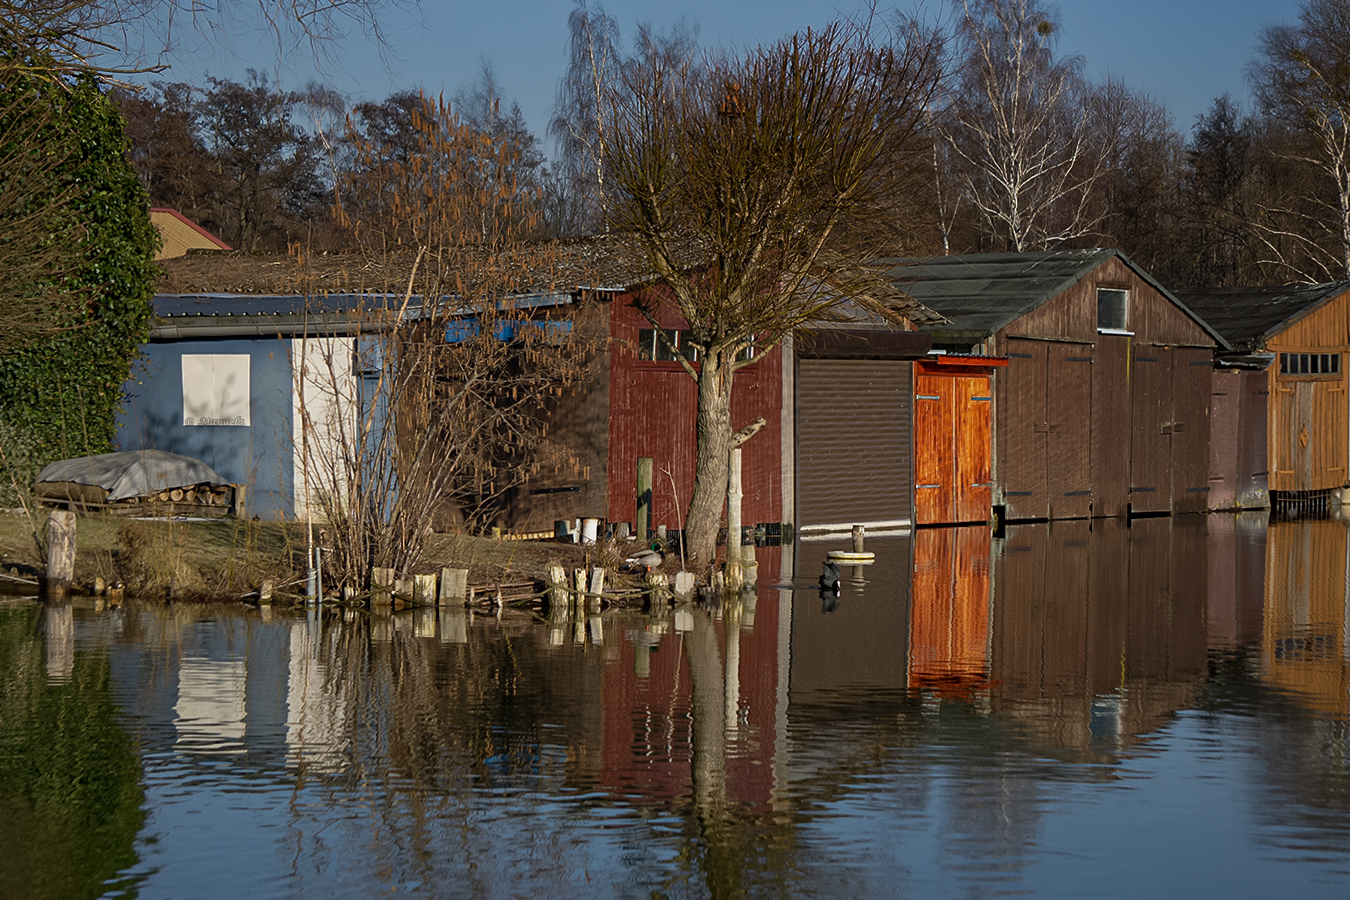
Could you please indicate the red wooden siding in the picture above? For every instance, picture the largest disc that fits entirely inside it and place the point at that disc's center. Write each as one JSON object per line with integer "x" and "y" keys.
{"x": 652, "y": 413}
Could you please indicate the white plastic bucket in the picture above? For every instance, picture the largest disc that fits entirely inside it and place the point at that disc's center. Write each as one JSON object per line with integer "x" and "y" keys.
{"x": 590, "y": 529}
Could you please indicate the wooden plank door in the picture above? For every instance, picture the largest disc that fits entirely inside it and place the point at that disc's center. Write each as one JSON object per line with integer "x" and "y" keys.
{"x": 1068, "y": 448}
{"x": 1192, "y": 393}
{"x": 1023, "y": 431}
{"x": 952, "y": 448}
{"x": 934, "y": 450}
{"x": 1151, "y": 429}
{"x": 974, "y": 457}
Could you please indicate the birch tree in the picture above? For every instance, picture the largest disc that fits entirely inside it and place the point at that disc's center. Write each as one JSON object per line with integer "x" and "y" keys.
{"x": 1302, "y": 81}
{"x": 580, "y": 124}
{"x": 751, "y": 184}
{"x": 1019, "y": 130}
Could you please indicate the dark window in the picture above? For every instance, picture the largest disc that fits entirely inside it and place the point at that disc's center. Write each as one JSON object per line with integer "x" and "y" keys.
{"x": 1310, "y": 364}
{"x": 652, "y": 349}
{"x": 1112, "y": 309}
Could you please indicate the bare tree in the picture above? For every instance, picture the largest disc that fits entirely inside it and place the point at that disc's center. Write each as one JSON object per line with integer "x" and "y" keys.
{"x": 453, "y": 373}
{"x": 114, "y": 38}
{"x": 1019, "y": 128}
{"x": 1302, "y": 80}
{"x": 750, "y": 184}
{"x": 1137, "y": 196}
{"x": 580, "y": 125}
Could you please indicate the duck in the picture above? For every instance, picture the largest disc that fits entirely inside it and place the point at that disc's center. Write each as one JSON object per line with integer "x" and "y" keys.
{"x": 645, "y": 560}
{"x": 829, "y": 578}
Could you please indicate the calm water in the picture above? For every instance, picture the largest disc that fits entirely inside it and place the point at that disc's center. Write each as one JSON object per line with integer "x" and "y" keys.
{"x": 1065, "y": 712}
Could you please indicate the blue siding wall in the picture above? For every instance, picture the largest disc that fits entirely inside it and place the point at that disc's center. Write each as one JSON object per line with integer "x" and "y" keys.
{"x": 257, "y": 455}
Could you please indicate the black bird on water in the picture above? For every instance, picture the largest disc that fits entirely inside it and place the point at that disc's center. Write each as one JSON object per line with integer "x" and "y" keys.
{"x": 829, "y": 578}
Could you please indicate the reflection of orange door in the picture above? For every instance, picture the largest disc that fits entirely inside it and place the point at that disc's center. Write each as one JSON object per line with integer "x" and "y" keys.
{"x": 951, "y": 447}
{"x": 949, "y": 612}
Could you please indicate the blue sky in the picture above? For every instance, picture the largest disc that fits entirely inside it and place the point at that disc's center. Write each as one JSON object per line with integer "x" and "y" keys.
{"x": 1182, "y": 52}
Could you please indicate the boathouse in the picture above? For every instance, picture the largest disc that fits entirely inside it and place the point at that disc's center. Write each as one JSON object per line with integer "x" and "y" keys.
{"x": 1279, "y": 395}
{"x": 1103, "y": 406}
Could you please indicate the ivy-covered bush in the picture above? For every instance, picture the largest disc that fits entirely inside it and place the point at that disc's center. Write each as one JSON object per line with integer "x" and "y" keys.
{"x": 60, "y": 389}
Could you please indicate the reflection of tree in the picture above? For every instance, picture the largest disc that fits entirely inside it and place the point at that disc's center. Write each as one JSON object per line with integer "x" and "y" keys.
{"x": 70, "y": 791}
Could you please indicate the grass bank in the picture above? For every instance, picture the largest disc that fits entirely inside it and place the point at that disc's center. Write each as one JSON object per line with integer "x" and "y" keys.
{"x": 228, "y": 558}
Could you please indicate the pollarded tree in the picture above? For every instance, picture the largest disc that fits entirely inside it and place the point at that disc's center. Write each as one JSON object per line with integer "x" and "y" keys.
{"x": 1302, "y": 80}
{"x": 750, "y": 184}
{"x": 1019, "y": 128}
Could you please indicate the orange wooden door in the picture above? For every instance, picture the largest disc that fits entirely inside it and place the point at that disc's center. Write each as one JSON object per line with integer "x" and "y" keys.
{"x": 934, "y": 468}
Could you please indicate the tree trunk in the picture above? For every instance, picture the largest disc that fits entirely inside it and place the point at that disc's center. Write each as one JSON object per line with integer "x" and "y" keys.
{"x": 712, "y": 461}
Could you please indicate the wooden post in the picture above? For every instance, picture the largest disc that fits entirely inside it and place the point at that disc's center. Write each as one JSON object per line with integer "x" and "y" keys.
{"x": 579, "y": 580}
{"x": 597, "y": 588}
{"x": 454, "y": 587}
{"x": 557, "y": 593}
{"x": 684, "y": 586}
{"x": 381, "y": 588}
{"x": 424, "y": 590}
{"x": 660, "y": 591}
{"x": 858, "y": 538}
{"x": 60, "y": 556}
{"x": 240, "y": 507}
{"x": 734, "y": 575}
{"x": 644, "y": 497}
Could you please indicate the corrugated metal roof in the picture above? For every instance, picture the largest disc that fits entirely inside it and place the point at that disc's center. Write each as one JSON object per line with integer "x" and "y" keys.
{"x": 1249, "y": 316}
{"x": 983, "y": 292}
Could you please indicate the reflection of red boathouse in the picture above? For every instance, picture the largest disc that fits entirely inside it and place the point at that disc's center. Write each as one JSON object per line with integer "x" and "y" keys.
{"x": 649, "y": 708}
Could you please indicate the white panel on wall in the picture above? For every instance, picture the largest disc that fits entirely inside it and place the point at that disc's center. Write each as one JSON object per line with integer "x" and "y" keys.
{"x": 216, "y": 389}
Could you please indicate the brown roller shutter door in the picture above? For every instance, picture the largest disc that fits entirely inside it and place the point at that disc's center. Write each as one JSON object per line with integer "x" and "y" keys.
{"x": 854, "y": 449}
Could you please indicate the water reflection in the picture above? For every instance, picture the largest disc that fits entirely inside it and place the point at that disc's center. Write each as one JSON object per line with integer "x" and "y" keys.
{"x": 1033, "y": 713}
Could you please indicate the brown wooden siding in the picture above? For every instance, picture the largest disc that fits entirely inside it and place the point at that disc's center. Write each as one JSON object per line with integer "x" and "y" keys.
{"x": 854, "y": 440}
{"x": 1072, "y": 315}
{"x": 1150, "y": 420}
{"x": 1191, "y": 388}
{"x": 1110, "y": 439}
{"x": 1225, "y": 442}
{"x": 952, "y": 418}
{"x": 1308, "y": 440}
{"x": 1306, "y": 418}
{"x": 574, "y": 482}
{"x": 1068, "y": 404}
{"x": 1045, "y": 433}
{"x": 1021, "y": 424}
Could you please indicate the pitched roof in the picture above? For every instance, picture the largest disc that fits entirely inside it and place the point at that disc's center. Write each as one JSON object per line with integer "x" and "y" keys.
{"x": 609, "y": 262}
{"x": 179, "y": 234}
{"x": 1247, "y": 317}
{"x": 981, "y": 293}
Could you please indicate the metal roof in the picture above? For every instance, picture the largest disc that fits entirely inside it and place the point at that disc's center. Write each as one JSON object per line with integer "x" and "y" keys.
{"x": 1249, "y": 316}
{"x": 983, "y": 292}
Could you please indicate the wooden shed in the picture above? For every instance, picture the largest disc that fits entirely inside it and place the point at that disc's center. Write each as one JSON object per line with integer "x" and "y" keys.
{"x": 1103, "y": 407}
{"x": 1279, "y": 395}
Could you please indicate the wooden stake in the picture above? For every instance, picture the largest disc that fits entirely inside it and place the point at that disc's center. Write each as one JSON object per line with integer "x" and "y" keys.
{"x": 60, "y": 556}
{"x": 734, "y": 577}
{"x": 644, "y": 497}
{"x": 454, "y": 587}
{"x": 381, "y": 588}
